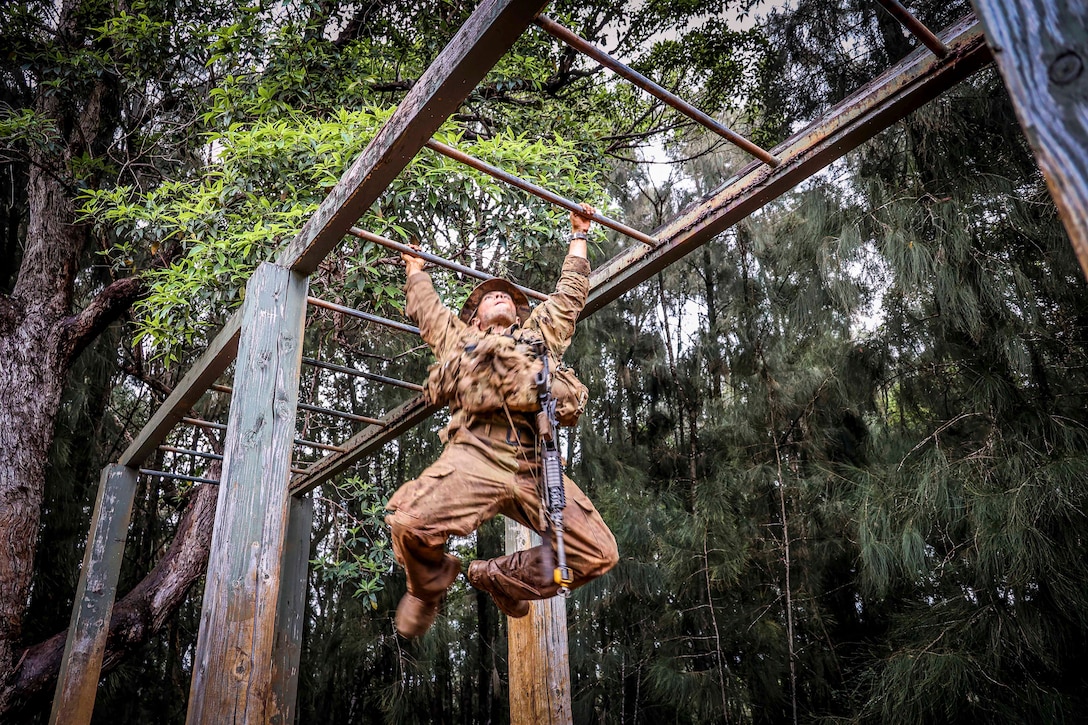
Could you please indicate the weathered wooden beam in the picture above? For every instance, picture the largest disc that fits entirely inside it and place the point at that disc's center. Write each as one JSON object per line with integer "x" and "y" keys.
{"x": 81, "y": 667}
{"x": 1041, "y": 48}
{"x": 539, "y": 662}
{"x": 292, "y": 610}
{"x": 910, "y": 84}
{"x": 232, "y": 670}
{"x": 212, "y": 363}
{"x": 488, "y": 33}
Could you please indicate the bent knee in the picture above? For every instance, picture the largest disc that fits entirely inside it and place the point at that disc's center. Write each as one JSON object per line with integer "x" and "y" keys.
{"x": 606, "y": 557}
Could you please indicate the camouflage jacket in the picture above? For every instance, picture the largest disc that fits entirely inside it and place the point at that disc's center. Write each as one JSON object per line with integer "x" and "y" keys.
{"x": 478, "y": 373}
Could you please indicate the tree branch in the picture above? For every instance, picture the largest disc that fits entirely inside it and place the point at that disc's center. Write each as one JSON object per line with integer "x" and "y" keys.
{"x": 109, "y": 305}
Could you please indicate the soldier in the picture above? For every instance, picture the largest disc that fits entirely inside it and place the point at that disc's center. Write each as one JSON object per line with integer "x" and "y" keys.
{"x": 487, "y": 359}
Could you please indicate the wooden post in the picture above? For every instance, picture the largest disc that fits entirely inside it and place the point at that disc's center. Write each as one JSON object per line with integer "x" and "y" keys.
{"x": 232, "y": 669}
{"x": 1041, "y": 49}
{"x": 292, "y": 610}
{"x": 77, "y": 684}
{"x": 539, "y": 660}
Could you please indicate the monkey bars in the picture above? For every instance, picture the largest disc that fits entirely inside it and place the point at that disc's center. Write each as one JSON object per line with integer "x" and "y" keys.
{"x": 247, "y": 656}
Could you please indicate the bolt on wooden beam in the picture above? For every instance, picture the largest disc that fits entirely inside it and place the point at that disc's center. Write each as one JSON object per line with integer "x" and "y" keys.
{"x": 1041, "y": 48}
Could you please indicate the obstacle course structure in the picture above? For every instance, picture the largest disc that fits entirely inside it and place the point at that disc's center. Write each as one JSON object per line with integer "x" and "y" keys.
{"x": 248, "y": 650}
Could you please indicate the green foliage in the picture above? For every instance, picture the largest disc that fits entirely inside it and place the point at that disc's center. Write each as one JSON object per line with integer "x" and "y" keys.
{"x": 359, "y": 557}
{"x": 268, "y": 179}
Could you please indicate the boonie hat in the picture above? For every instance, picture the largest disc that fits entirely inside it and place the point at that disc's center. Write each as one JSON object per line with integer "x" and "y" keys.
{"x": 521, "y": 302}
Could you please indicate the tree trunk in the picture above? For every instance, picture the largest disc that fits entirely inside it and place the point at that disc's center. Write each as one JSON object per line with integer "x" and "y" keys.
{"x": 39, "y": 335}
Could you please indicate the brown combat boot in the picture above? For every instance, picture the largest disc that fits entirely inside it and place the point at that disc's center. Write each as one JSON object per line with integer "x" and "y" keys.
{"x": 479, "y": 578}
{"x": 415, "y": 614}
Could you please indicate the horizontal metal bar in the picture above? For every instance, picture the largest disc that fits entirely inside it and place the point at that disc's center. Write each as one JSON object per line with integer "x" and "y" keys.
{"x": 319, "y": 446}
{"x": 340, "y": 414}
{"x": 298, "y": 441}
{"x": 402, "y": 419}
{"x": 188, "y": 452}
{"x": 915, "y": 26}
{"x": 362, "y": 315}
{"x": 440, "y": 261}
{"x": 312, "y": 408}
{"x": 211, "y": 456}
{"x": 204, "y": 423}
{"x": 584, "y": 46}
{"x": 178, "y": 476}
{"x": 362, "y": 374}
{"x": 535, "y": 190}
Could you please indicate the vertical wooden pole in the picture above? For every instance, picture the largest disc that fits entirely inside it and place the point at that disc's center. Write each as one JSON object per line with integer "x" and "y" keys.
{"x": 232, "y": 669}
{"x": 538, "y": 656}
{"x": 95, "y": 594}
{"x": 1041, "y": 49}
{"x": 292, "y": 610}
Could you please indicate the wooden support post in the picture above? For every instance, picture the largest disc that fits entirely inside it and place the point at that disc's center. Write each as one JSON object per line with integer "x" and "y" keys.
{"x": 292, "y": 609}
{"x": 539, "y": 660}
{"x": 232, "y": 669}
{"x": 1041, "y": 49}
{"x": 77, "y": 684}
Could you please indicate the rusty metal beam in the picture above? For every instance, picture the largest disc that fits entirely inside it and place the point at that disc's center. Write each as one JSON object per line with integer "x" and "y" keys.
{"x": 484, "y": 38}
{"x": 916, "y": 80}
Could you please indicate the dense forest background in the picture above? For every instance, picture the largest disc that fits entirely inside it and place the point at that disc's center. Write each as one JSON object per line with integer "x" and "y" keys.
{"x": 842, "y": 446}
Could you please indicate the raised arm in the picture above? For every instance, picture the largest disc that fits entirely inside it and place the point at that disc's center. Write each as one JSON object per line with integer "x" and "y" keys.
{"x": 438, "y": 325}
{"x": 556, "y": 316}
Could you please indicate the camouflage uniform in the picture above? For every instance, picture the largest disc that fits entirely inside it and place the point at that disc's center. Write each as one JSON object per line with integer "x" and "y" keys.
{"x": 489, "y": 465}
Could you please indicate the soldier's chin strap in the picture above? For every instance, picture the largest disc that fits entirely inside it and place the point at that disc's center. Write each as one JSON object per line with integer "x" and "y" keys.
{"x": 553, "y": 494}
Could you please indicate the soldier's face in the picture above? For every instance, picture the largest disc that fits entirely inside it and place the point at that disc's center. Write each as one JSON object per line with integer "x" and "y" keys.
{"x": 496, "y": 309}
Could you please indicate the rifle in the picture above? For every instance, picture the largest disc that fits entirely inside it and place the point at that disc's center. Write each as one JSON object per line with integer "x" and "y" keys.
{"x": 553, "y": 494}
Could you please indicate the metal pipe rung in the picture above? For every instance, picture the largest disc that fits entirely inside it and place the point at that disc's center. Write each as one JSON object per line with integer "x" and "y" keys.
{"x": 434, "y": 259}
{"x": 362, "y": 315}
{"x": 532, "y": 188}
{"x": 584, "y": 46}
{"x": 915, "y": 26}
{"x": 362, "y": 374}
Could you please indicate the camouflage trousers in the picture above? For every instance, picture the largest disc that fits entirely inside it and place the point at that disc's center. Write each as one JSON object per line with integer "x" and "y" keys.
{"x": 486, "y": 469}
